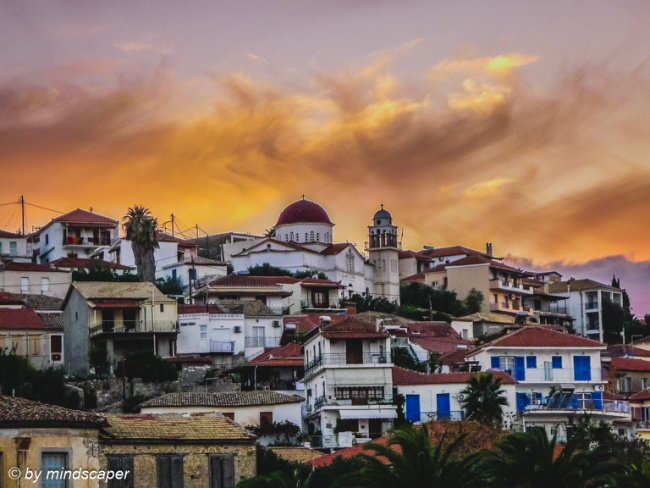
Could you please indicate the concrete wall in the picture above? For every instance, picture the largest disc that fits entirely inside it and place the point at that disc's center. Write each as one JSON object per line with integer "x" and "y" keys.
{"x": 219, "y": 327}
{"x": 463, "y": 278}
{"x": 76, "y": 329}
{"x": 35, "y": 345}
{"x": 59, "y": 282}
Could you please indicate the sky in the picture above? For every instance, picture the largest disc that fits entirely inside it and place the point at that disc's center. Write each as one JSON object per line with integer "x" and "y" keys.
{"x": 521, "y": 123}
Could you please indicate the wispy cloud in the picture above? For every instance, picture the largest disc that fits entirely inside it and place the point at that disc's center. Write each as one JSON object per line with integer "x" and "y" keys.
{"x": 130, "y": 47}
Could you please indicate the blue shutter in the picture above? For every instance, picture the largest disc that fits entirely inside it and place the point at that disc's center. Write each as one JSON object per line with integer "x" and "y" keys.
{"x": 444, "y": 406}
{"x": 597, "y": 397}
{"x": 581, "y": 368}
{"x": 495, "y": 362}
{"x": 557, "y": 362}
{"x": 531, "y": 362}
{"x": 522, "y": 401}
{"x": 520, "y": 370}
{"x": 413, "y": 408}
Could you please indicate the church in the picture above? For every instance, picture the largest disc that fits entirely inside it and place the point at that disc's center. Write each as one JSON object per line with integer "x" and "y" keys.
{"x": 303, "y": 239}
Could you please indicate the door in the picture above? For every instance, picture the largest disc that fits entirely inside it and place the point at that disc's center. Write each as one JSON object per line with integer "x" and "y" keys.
{"x": 444, "y": 410}
{"x": 522, "y": 401}
{"x": 108, "y": 320}
{"x": 413, "y": 408}
{"x": 353, "y": 352}
{"x": 375, "y": 428}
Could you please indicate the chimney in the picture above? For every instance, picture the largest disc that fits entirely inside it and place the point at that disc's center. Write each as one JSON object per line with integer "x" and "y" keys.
{"x": 488, "y": 249}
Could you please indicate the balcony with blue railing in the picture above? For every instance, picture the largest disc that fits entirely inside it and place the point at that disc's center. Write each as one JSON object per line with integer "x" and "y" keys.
{"x": 555, "y": 375}
{"x": 340, "y": 359}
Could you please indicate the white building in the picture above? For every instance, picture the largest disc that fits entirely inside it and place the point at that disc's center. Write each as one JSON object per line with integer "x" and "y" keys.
{"x": 76, "y": 234}
{"x": 34, "y": 279}
{"x": 584, "y": 303}
{"x": 13, "y": 247}
{"x": 544, "y": 361}
{"x": 348, "y": 383}
{"x": 438, "y": 396}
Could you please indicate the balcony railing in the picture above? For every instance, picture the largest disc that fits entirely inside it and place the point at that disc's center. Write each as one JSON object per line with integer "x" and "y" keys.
{"x": 322, "y": 304}
{"x": 505, "y": 285}
{"x": 124, "y": 327}
{"x": 265, "y": 342}
{"x": 338, "y": 359}
{"x": 593, "y": 305}
{"x": 227, "y": 347}
{"x": 86, "y": 241}
{"x": 566, "y": 375}
{"x": 323, "y": 401}
{"x": 572, "y": 403}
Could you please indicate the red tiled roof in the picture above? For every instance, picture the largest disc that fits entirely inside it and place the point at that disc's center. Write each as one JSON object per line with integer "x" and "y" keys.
{"x": 21, "y": 412}
{"x": 641, "y": 395}
{"x": 348, "y": 452}
{"x": 452, "y": 251}
{"x": 19, "y": 318}
{"x": 288, "y": 355}
{"x": 454, "y": 357}
{"x": 439, "y": 345}
{"x": 402, "y": 376}
{"x": 534, "y": 336}
{"x": 303, "y": 211}
{"x": 625, "y": 364}
{"x": 419, "y": 255}
{"x": 335, "y": 248}
{"x": 483, "y": 259}
{"x": 9, "y": 299}
{"x": 415, "y": 277}
{"x": 435, "y": 329}
{"x": 303, "y": 323}
{"x": 317, "y": 283}
{"x": 80, "y": 216}
{"x": 352, "y": 328}
{"x": 248, "y": 281}
{"x": 10, "y": 235}
{"x": 86, "y": 263}
{"x": 13, "y": 266}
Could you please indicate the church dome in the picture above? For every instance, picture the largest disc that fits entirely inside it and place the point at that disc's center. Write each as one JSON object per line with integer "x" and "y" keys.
{"x": 382, "y": 214}
{"x": 303, "y": 211}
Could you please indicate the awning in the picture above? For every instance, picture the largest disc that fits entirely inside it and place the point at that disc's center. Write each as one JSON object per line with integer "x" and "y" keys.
{"x": 122, "y": 304}
{"x": 370, "y": 413}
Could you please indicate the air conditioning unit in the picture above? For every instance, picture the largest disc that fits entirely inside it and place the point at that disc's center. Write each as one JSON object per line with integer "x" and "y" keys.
{"x": 599, "y": 387}
{"x": 237, "y": 329}
{"x": 56, "y": 357}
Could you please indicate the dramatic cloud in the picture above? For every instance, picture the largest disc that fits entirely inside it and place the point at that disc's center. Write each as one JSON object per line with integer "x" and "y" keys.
{"x": 468, "y": 153}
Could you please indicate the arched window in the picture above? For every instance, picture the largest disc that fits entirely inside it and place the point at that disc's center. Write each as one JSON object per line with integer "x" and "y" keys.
{"x": 349, "y": 258}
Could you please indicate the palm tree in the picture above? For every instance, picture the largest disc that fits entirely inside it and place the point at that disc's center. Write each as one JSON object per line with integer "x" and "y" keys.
{"x": 483, "y": 399}
{"x": 416, "y": 462}
{"x": 277, "y": 479}
{"x": 530, "y": 460}
{"x": 636, "y": 476}
{"x": 141, "y": 229}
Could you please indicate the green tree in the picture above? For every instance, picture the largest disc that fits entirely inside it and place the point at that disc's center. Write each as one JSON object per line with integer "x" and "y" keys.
{"x": 473, "y": 301}
{"x": 418, "y": 462}
{"x": 147, "y": 366}
{"x": 613, "y": 322}
{"x": 529, "y": 460}
{"x": 267, "y": 270}
{"x": 98, "y": 359}
{"x": 142, "y": 230}
{"x": 101, "y": 273}
{"x": 171, "y": 285}
{"x": 284, "y": 433}
{"x": 405, "y": 357}
{"x": 484, "y": 399}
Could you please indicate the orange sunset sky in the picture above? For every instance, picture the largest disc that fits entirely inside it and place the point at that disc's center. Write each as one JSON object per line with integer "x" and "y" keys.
{"x": 526, "y": 124}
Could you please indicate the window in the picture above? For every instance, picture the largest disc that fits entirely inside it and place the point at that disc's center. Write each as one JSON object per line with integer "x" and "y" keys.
{"x": 318, "y": 236}
{"x": 531, "y": 362}
{"x": 47, "y": 239}
{"x": 229, "y": 415}
{"x": 266, "y": 418}
{"x": 557, "y": 362}
{"x": 222, "y": 471}
{"x": 585, "y": 401}
{"x": 170, "y": 471}
{"x": 625, "y": 385}
{"x": 24, "y": 285}
{"x": 34, "y": 345}
{"x": 56, "y": 347}
{"x": 349, "y": 259}
{"x": 644, "y": 383}
{"x": 162, "y": 308}
{"x": 311, "y": 236}
{"x": 204, "y": 332}
{"x": 54, "y": 464}
{"x": 121, "y": 463}
{"x": 291, "y": 236}
{"x": 506, "y": 363}
{"x": 45, "y": 284}
{"x": 13, "y": 248}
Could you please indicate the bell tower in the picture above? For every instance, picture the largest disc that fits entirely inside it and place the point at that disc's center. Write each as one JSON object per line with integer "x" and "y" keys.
{"x": 383, "y": 250}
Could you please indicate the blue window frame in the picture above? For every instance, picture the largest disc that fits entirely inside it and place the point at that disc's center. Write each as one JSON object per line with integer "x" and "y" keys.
{"x": 531, "y": 362}
{"x": 557, "y": 362}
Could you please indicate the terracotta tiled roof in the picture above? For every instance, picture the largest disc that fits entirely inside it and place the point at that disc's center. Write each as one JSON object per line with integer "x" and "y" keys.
{"x": 335, "y": 248}
{"x": 415, "y": 277}
{"x": 625, "y": 350}
{"x": 120, "y": 290}
{"x": 433, "y": 329}
{"x": 9, "y": 299}
{"x": 213, "y": 308}
{"x": 347, "y": 453}
{"x": 174, "y": 428}
{"x": 52, "y": 320}
{"x": 42, "y": 302}
{"x": 201, "y": 261}
{"x": 288, "y": 355}
{"x": 303, "y": 323}
{"x": 10, "y": 235}
{"x": 352, "y": 328}
{"x": 574, "y": 285}
{"x": 87, "y": 263}
{"x": 21, "y": 412}
{"x": 19, "y": 318}
{"x": 419, "y": 255}
{"x": 482, "y": 259}
{"x": 80, "y": 216}
{"x": 500, "y": 318}
{"x": 625, "y": 364}
{"x": 23, "y": 267}
{"x": 303, "y": 211}
{"x": 248, "y": 281}
{"x": 232, "y": 399}
{"x": 296, "y": 454}
{"x": 315, "y": 282}
{"x": 247, "y": 307}
{"x": 402, "y": 376}
{"x": 533, "y": 336}
{"x": 440, "y": 345}
{"x": 641, "y": 395}
{"x": 454, "y": 357}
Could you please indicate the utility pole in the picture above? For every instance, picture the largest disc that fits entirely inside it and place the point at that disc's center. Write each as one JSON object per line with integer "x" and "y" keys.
{"x": 22, "y": 203}
{"x": 192, "y": 275}
{"x": 197, "y": 231}
{"x": 172, "y": 225}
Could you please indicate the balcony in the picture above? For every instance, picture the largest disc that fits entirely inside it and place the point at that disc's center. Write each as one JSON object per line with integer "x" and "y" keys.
{"x": 86, "y": 241}
{"x": 591, "y": 305}
{"x": 510, "y": 286}
{"x": 512, "y": 306}
{"x": 329, "y": 401}
{"x": 324, "y": 304}
{"x": 334, "y": 359}
{"x": 265, "y": 342}
{"x": 113, "y": 327}
{"x": 571, "y": 403}
{"x": 224, "y": 347}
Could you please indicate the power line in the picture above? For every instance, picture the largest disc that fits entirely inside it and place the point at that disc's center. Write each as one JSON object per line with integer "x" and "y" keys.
{"x": 44, "y": 208}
